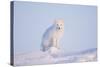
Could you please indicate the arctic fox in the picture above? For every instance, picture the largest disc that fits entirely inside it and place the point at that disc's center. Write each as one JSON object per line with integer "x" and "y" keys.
{"x": 52, "y": 35}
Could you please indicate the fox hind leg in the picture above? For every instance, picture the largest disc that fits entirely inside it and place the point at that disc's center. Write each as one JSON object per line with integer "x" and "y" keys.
{"x": 45, "y": 46}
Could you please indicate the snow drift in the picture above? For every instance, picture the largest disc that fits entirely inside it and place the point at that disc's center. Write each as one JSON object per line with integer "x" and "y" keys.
{"x": 54, "y": 56}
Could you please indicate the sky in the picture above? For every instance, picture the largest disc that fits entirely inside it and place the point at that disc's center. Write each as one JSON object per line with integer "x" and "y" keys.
{"x": 31, "y": 19}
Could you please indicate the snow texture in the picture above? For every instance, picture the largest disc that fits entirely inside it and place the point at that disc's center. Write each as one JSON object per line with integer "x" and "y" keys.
{"x": 54, "y": 56}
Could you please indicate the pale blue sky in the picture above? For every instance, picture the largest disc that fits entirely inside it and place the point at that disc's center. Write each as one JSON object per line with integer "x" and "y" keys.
{"x": 32, "y": 19}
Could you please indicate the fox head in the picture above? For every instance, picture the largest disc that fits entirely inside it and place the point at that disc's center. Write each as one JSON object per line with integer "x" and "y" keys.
{"x": 59, "y": 24}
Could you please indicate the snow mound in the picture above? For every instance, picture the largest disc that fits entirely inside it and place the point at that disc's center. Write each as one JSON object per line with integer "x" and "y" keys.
{"x": 54, "y": 51}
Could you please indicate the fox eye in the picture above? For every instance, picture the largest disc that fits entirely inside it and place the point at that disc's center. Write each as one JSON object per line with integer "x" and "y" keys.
{"x": 57, "y": 24}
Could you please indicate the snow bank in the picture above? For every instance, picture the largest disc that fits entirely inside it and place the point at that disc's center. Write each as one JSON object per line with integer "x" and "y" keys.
{"x": 54, "y": 56}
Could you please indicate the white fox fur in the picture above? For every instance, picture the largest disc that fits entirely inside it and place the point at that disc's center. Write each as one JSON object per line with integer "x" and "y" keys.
{"x": 52, "y": 35}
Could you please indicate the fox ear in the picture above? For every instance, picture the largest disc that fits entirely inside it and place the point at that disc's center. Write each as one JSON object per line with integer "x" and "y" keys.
{"x": 54, "y": 21}
{"x": 57, "y": 20}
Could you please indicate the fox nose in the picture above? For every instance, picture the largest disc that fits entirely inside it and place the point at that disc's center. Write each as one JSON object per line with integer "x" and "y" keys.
{"x": 58, "y": 27}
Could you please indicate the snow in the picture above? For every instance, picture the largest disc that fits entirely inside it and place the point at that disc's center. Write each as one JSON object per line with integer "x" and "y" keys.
{"x": 54, "y": 56}
{"x": 54, "y": 51}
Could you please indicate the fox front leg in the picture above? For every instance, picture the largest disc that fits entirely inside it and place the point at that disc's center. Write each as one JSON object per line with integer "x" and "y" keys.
{"x": 54, "y": 42}
{"x": 58, "y": 45}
